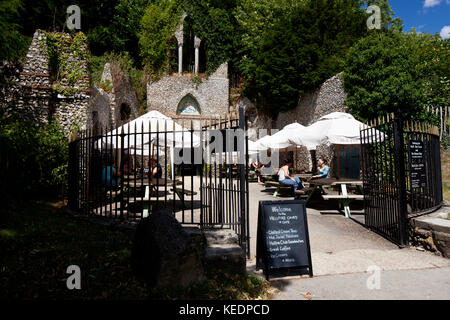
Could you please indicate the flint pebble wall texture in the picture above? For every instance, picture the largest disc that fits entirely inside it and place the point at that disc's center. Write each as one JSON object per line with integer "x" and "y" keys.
{"x": 212, "y": 94}
{"x": 30, "y": 90}
{"x": 330, "y": 97}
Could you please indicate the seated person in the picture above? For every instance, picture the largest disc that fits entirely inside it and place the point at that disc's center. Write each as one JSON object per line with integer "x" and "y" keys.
{"x": 156, "y": 169}
{"x": 256, "y": 167}
{"x": 109, "y": 175}
{"x": 324, "y": 170}
{"x": 286, "y": 179}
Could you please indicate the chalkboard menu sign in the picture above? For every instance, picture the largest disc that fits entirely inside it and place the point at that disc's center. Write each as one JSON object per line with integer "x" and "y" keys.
{"x": 417, "y": 164}
{"x": 283, "y": 240}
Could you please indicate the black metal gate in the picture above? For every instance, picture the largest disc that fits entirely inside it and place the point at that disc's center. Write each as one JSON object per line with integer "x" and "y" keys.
{"x": 401, "y": 171}
{"x": 110, "y": 173}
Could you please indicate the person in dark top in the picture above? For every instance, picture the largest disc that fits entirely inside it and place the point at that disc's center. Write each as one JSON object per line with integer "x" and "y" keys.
{"x": 256, "y": 166}
{"x": 155, "y": 169}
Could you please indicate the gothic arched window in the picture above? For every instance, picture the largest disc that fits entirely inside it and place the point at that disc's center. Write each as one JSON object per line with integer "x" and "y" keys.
{"x": 188, "y": 105}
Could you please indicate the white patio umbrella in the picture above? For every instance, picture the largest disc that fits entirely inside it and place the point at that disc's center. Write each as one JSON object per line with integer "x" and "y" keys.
{"x": 142, "y": 131}
{"x": 254, "y": 147}
{"x": 147, "y": 150}
{"x": 258, "y": 145}
{"x": 280, "y": 139}
{"x": 335, "y": 128}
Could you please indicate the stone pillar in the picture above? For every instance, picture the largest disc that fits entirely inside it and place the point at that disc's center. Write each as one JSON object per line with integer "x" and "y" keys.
{"x": 197, "y": 42}
{"x": 179, "y": 36}
{"x": 180, "y": 59}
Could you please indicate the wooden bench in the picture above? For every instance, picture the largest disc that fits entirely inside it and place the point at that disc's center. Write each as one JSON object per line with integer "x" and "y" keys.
{"x": 279, "y": 187}
{"x": 303, "y": 192}
{"x": 146, "y": 199}
{"x": 345, "y": 200}
{"x": 287, "y": 189}
{"x": 343, "y": 197}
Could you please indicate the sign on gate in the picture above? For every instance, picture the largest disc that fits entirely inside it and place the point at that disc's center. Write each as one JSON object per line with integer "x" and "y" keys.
{"x": 417, "y": 174}
{"x": 282, "y": 240}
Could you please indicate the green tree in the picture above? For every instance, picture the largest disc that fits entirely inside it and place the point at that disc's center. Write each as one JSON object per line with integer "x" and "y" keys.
{"x": 158, "y": 26}
{"x": 382, "y": 74}
{"x": 40, "y": 153}
{"x": 295, "y": 47}
{"x": 12, "y": 42}
{"x": 211, "y": 20}
{"x": 434, "y": 64}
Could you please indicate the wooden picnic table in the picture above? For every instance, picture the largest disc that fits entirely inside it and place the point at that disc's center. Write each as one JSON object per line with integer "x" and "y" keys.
{"x": 155, "y": 183}
{"x": 280, "y": 187}
{"x": 344, "y": 197}
{"x": 305, "y": 176}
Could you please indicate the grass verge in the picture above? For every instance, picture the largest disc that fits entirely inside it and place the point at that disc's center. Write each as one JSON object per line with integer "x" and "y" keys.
{"x": 446, "y": 174}
{"x": 38, "y": 243}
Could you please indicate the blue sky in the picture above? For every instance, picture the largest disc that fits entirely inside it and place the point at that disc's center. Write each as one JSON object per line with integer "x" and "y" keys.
{"x": 425, "y": 15}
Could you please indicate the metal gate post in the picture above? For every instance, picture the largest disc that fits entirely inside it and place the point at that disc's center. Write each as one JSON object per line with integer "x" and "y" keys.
{"x": 243, "y": 186}
{"x": 122, "y": 165}
{"x": 401, "y": 176}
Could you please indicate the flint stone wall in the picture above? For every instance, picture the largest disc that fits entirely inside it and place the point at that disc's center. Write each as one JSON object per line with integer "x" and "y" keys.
{"x": 30, "y": 90}
{"x": 212, "y": 94}
{"x": 330, "y": 97}
{"x": 106, "y": 104}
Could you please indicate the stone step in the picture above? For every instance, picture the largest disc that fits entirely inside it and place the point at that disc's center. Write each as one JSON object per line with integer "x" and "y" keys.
{"x": 221, "y": 236}
{"x": 221, "y": 249}
{"x": 226, "y": 257}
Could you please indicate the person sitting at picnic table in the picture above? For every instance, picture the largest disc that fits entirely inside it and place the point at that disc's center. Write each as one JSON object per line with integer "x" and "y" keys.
{"x": 109, "y": 175}
{"x": 155, "y": 169}
{"x": 324, "y": 170}
{"x": 286, "y": 179}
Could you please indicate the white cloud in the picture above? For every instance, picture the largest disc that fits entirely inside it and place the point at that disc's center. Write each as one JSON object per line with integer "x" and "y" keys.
{"x": 432, "y": 3}
{"x": 445, "y": 32}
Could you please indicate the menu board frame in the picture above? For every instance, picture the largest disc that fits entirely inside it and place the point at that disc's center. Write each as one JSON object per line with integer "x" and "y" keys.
{"x": 263, "y": 251}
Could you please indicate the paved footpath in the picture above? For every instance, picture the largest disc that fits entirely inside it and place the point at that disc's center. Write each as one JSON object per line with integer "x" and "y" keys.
{"x": 343, "y": 251}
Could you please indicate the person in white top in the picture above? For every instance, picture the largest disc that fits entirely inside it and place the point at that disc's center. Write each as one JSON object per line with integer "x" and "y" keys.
{"x": 286, "y": 179}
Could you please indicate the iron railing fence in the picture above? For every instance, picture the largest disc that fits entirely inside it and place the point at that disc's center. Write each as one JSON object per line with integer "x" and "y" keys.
{"x": 401, "y": 172}
{"x": 111, "y": 174}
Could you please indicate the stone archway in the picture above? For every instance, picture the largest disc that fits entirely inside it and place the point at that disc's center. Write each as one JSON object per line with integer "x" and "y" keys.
{"x": 125, "y": 112}
{"x": 188, "y": 105}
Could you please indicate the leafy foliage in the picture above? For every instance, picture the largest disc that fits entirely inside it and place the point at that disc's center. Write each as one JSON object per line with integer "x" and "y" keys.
{"x": 212, "y": 21}
{"x": 158, "y": 26}
{"x": 12, "y": 43}
{"x": 292, "y": 49}
{"x": 390, "y": 70}
{"x": 38, "y": 243}
{"x": 66, "y": 54}
{"x": 37, "y": 154}
{"x": 388, "y": 21}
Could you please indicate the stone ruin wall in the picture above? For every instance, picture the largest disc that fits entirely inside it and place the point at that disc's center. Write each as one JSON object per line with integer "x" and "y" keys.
{"x": 106, "y": 102}
{"x": 31, "y": 92}
{"x": 330, "y": 97}
{"x": 212, "y": 94}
